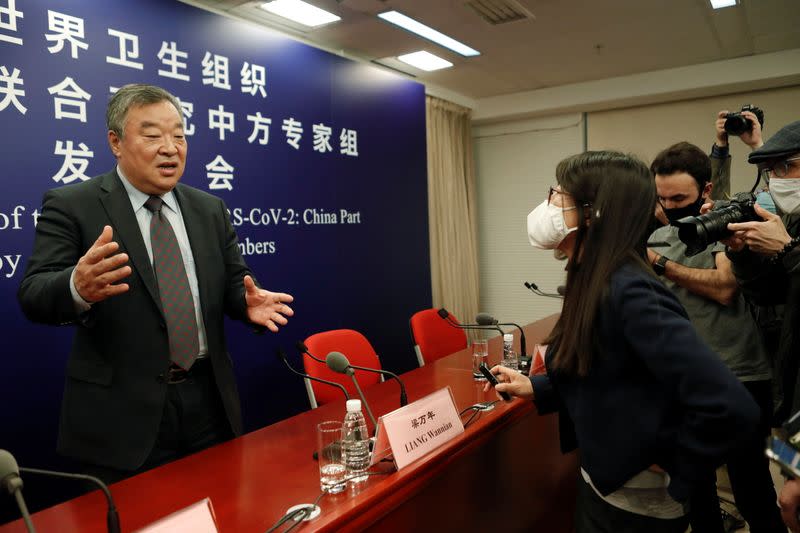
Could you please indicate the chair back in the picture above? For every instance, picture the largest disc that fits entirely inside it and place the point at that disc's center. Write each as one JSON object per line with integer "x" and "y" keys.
{"x": 434, "y": 337}
{"x": 358, "y": 351}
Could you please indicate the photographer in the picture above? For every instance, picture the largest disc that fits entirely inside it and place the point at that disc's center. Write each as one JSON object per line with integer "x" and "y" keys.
{"x": 766, "y": 262}
{"x": 720, "y": 150}
{"x": 705, "y": 285}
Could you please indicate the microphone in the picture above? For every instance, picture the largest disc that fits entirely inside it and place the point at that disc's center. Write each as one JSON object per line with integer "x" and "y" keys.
{"x": 487, "y": 319}
{"x": 403, "y": 396}
{"x": 535, "y": 290}
{"x": 303, "y": 349}
{"x": 112, "y": 518}
{"x": 11, "y": 482}
{"x": 282, "y": 356}
{"x": 446, "y": 316}
{"x": 337, "y": 362}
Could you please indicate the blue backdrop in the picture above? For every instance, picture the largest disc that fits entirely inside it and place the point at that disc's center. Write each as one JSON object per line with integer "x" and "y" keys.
{"x": 321, "y": 161}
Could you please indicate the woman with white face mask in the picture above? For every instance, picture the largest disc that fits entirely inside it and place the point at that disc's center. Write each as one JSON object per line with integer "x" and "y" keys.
{"x": 650, "y": 407}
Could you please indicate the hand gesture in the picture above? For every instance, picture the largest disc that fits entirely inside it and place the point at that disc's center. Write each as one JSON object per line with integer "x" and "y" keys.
{"x": 765, "y": 238}
{"x": 266, "y": 308}
{"x": 100, "y": 268}
{"x": 719, "y": 127}
{"x": 752, "y": 138}
{"x": 511, "y": 382}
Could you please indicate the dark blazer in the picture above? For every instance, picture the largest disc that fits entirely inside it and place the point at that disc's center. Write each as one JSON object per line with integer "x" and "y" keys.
{"x": 655, "y": 394}
{"x": 115, "y": 390}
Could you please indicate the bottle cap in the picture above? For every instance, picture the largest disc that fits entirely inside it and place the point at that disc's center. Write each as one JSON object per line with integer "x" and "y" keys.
{"x": 508, "y": 337}
{"x": 353, "y": 406}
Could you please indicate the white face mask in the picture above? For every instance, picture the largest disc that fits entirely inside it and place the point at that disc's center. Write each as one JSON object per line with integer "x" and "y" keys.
{"x": 547, "y": 227}
{"x": 786, "y": 194}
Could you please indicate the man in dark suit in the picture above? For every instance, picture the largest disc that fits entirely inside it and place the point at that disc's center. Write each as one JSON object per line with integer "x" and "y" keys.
{"x": 145, "y": 268}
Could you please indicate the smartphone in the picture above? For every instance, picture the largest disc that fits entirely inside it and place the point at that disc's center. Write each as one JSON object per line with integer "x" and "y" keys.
{"x": 787, "y": 457}
{"x": 493, "y": 380}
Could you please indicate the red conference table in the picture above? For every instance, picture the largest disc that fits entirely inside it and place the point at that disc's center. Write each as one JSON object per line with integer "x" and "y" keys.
{"x": 506, "y": 471}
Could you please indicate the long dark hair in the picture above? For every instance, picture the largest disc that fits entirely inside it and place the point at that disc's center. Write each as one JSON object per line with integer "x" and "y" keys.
{"x": 616, "y": 195}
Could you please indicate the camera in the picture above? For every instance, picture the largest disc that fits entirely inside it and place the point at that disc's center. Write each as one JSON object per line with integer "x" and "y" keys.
{"x": 786, "y": 452}
{"x": 700, "y": 231}
{"x": 736, "y": 124}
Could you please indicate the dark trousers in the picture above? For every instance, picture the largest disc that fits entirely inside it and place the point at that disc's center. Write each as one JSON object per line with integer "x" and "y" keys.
{"x": 595, "y": 515}
{"x": 193, "y": 419}
{"x": 751, "y": 482}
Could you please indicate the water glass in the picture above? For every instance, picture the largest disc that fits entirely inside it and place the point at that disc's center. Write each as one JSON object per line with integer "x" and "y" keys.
{"x": 480, "y": 354}
{"x": 332, "y": 471}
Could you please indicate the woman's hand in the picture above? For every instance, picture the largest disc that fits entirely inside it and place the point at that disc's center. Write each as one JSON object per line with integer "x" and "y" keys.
{"x": 512, "y": 382}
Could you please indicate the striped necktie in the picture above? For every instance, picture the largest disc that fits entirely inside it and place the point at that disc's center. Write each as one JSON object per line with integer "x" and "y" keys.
{"x": 173, "y": 287}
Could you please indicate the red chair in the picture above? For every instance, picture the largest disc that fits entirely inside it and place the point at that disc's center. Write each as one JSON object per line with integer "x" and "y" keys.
{"x": 433, "y": 337}
{"x": 358, "y": 351}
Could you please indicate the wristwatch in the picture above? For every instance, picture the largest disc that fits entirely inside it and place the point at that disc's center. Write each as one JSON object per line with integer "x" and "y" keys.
{"x": 660, "y": 266}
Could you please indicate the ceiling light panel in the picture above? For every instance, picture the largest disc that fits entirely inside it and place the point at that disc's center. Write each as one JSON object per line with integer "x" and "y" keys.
{"x": 300, "y": 12}
{"x": 414, "y": 26}
{"x": 425, "y": 61}
{"x": 719, "y": 4}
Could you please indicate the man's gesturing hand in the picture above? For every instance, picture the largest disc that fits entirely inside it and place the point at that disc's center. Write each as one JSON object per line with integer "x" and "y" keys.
{"x": 100, "y": 268}
{"x": 266, "y": 308}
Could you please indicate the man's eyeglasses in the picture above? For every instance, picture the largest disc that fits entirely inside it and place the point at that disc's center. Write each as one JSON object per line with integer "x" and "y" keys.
{"x": 778, "y": 170}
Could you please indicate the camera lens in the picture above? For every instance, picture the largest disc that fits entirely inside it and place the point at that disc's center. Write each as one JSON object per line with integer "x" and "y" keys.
{"x": 736, "y": 124}
{"x": 698, "y": 232}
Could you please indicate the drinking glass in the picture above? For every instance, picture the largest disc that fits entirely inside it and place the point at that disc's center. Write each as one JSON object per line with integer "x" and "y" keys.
{"x": 480, "y": 354}
{"x": 329, "y": 454}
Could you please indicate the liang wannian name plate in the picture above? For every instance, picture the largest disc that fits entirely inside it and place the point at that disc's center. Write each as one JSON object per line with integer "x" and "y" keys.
{"x": 417, "y": 428}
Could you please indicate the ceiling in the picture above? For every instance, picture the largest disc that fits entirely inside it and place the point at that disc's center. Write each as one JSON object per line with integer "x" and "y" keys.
{"x": 564, "y": 42}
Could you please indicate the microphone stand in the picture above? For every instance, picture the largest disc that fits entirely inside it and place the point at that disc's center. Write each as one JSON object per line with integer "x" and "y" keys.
{"x": 112, "y": 518}
{"x": 23, "y": 509}
{"x": 403, "y": 396}
{"x": 535, "y": 290}
{"x": 524, "y": 358}
{"x": 301, "y": 347}
{"x": 282, "y": 356}
{"x": 363, "y": 399}
{"x": 14, "y": 486}
{"x": 446, "y": 316}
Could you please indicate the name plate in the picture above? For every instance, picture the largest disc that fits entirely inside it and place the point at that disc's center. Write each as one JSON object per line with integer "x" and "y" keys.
{"x": 417, "y": 428}
{"x": 197, "y": 518}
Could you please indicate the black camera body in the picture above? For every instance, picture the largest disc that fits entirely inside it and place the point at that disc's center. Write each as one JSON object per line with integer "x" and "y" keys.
{"x": 736, "y": 124}
{"x": 700, "y": 231}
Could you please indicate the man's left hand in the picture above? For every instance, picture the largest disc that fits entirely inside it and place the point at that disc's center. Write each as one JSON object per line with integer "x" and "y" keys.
{"x": 266, "y": 308}
{"x": 765, "y": 238}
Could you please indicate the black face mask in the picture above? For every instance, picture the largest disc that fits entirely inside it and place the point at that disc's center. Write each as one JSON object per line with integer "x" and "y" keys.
{"x": 691, "y": 210}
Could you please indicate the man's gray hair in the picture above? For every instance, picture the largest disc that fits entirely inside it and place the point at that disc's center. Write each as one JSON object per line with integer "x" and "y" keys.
{"x": 135, "y": 95}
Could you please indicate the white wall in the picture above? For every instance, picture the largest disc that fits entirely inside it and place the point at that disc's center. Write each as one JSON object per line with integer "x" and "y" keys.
{"x": 515, "y": 164}
{"x": 647, "y": 130}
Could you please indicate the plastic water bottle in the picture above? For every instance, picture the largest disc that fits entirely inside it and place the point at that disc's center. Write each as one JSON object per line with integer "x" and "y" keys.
{"x": 509, "y": 356}
{"x": 355, "y": 443}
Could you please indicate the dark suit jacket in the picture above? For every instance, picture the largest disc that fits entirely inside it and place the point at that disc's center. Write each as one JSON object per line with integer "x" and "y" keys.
{"x": 115, "y": 391}
{"x": 655, "y": 393}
